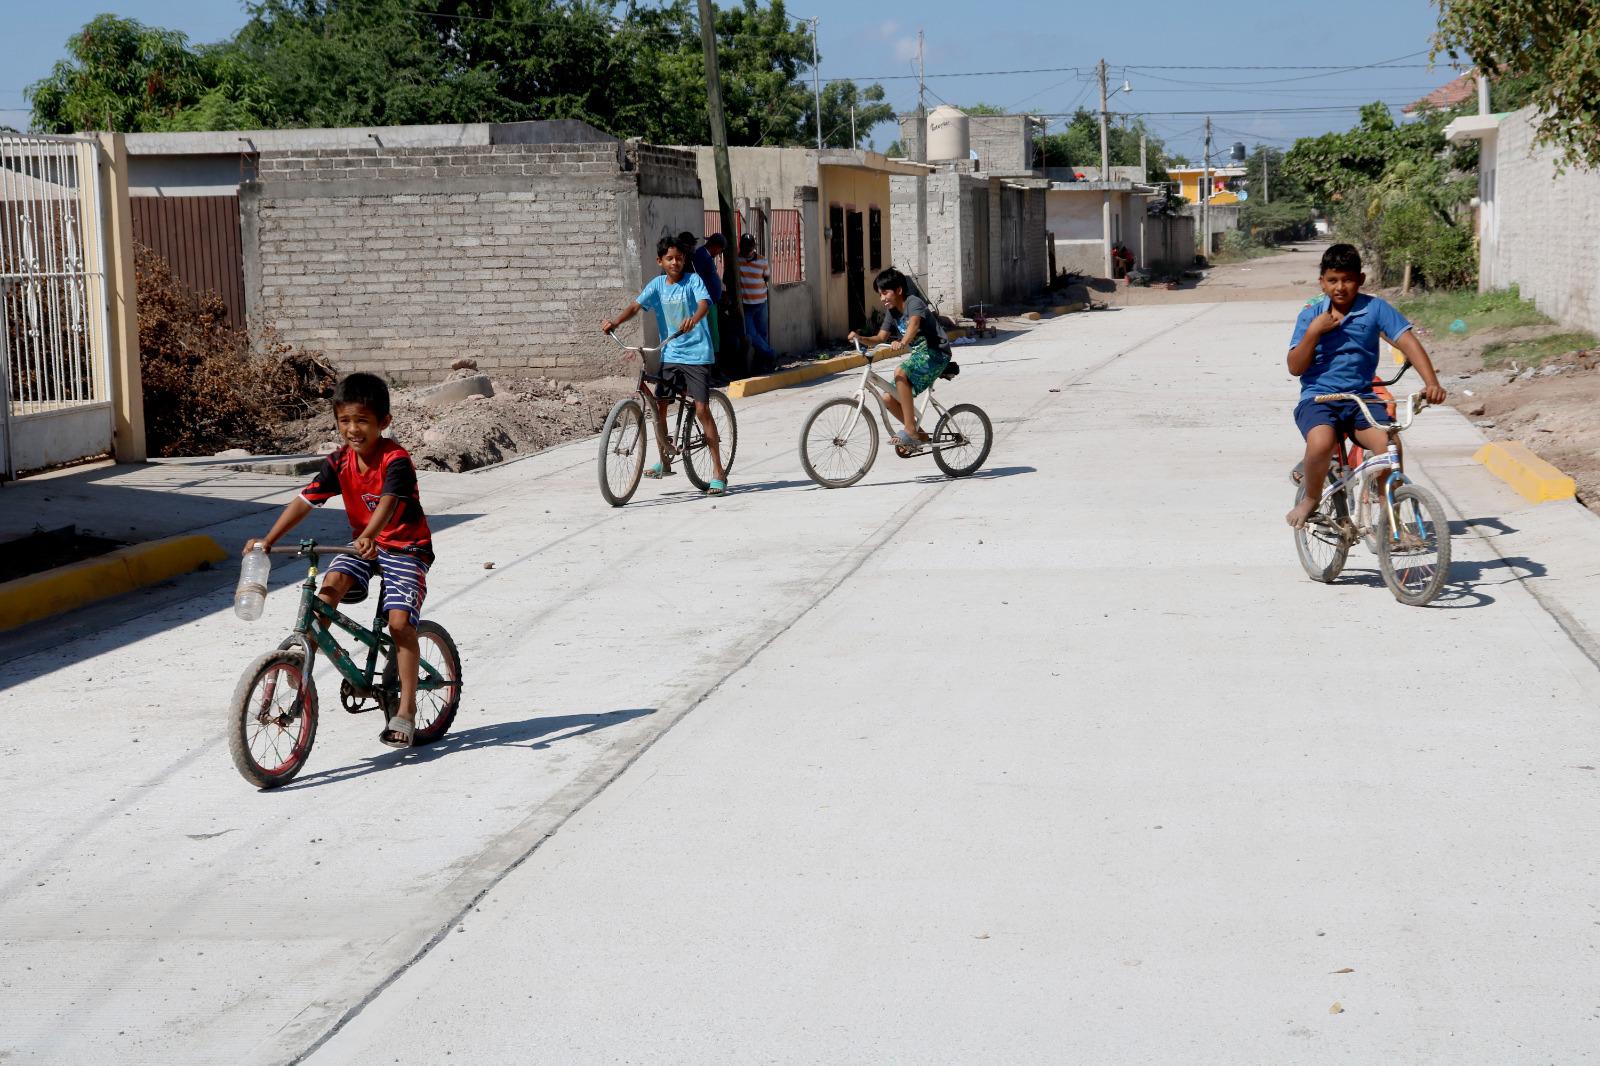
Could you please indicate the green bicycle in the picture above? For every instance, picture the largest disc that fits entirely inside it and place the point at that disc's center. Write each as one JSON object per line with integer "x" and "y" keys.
{"x": 272, "y": 718}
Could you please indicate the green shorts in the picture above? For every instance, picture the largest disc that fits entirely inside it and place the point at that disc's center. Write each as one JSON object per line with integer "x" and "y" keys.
{"x": 922, "y": 366}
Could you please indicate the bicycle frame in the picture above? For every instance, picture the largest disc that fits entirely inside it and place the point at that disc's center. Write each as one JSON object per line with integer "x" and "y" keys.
{"x": 879, "y": 388}
{"x": 313, "y": 629}
{"x": 1371, "y": 467}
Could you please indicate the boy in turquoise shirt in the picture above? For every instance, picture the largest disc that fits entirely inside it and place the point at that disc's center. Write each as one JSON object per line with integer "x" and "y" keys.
{"x": 680, "y": 302}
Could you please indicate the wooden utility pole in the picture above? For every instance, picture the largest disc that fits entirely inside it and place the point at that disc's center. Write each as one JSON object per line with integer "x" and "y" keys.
{"x": 719, "y": 152}
{"x": 1205, "y": 196}
{"x": 922, "y": 178}
{"x": 816, "y": 79}
{"x": 1105, "y": 178}
{"x": 1266, "y": 178}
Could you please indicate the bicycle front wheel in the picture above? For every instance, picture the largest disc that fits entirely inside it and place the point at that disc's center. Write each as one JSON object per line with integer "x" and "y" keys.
{"x": 1321, "y": 543}
{"x": 272, "y": 719}
{"x": 1414, "y": 556}
{"x": 838, "y": 442}
{"x": 437, "y": 698}
{"x": 696, "y": 454}
{"x": 622, "y": 448}
{"x": 962, "y": 439}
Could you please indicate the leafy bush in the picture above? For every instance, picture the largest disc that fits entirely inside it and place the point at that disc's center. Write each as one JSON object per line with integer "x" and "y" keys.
{"x": 1276, "y": 223}
{"x": 205, "y": 388}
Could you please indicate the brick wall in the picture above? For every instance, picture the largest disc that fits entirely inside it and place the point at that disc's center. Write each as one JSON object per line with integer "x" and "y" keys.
{"x": 400, "y": 261}
{"x": 1548, "y": 226}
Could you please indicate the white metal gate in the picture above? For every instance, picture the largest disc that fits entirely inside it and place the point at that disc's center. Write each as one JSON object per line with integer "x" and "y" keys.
{"x": 54, "y": 318}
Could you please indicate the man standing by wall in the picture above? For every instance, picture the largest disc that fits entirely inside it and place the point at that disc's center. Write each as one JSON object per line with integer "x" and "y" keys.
{"x": 753, "y": 279}
{"x": 705, "y": 264}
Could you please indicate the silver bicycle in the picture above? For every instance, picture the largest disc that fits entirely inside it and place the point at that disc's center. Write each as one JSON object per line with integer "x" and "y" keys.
{"x": 839, "y": 440}
{"x": 1402, "y": 522}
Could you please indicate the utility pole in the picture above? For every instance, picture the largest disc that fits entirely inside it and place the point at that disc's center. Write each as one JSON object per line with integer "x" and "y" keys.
{"x": 1205, "y": 195}
{"x": 1144, "y": 175}
{"x": 1266, "y": 178}
{"x": 1105, "y": 178}
{"x": 922, "y": 178}
{"x": 816, "y": 79}
{"x": 719, "y": 152}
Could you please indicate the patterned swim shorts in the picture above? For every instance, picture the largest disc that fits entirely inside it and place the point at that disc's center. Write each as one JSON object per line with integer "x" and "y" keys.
{"x": 405, "y": 580}
{"x": 922, "y": 366}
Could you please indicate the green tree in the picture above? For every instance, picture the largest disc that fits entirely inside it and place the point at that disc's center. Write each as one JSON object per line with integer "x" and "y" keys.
{"x": 1329, "y": 166}
{"x": 123, "y": 75}
{"x": 1266, "y": 180}
{"x": 1550, "y": 47}
{"x": 1079, "y": 145}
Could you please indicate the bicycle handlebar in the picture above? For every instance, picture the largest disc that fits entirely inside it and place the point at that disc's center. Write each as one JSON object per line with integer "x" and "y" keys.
{"x": 632, "y": 347}
{"x": 1406, "y": 410}
{"x": 314, "y": 550}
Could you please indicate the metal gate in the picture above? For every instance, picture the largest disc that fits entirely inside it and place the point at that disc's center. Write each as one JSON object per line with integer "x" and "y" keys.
{"x": 54, "y": 318}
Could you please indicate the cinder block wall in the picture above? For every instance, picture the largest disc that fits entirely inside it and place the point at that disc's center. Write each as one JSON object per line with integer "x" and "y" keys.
{"x": 1548, "y": 226}
{"x": 400, "y": 261}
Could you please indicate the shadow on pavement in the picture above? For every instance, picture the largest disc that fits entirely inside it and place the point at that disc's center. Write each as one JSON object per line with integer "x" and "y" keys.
{"x": 536, "y": 734}
{"x": 1462, "y": 526}
{"x": 1468, "y": 578}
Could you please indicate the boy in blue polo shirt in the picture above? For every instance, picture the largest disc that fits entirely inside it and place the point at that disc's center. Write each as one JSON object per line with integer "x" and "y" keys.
{"x": 680, "y": 302}
{"x": 1335, "y": 349}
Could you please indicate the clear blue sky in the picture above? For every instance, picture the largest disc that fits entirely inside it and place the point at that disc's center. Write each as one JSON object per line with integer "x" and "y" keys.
{"x": 1144, "y": 44}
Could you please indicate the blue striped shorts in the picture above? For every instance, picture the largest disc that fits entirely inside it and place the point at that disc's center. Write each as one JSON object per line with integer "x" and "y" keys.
{"x": 404, "y": 577}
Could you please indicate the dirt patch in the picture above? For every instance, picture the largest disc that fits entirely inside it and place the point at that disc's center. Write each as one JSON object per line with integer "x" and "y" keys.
{"x": 1553, "y": 408}
{"x": 527, "y": 414}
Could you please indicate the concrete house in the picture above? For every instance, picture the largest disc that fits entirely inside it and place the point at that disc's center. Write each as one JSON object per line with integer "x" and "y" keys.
{"x": 986, "y": 210}
{"x": 401, "y": 249}
{"x": 824, "y": 221}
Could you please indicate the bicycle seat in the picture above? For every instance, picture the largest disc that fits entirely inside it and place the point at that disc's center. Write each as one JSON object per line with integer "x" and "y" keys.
{"x": 951, "y": 370}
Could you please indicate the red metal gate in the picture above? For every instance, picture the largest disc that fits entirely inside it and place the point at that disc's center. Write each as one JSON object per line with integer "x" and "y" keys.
{"x": 198, "y": 236}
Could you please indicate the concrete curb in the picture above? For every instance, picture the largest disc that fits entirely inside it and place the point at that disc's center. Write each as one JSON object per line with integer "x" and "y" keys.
{"x": 1534, "y": 479}
{"x": 28, "y": 599}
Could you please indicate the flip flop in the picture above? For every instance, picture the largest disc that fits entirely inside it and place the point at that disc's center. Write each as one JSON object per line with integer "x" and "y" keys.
{"x": 398, "y": 725}
{"x": 660, "y": 470}
{"x": 717, "y": 488}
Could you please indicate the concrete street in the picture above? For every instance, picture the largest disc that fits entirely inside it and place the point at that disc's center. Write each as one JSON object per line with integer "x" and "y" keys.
{"x": 1067, "y": 762}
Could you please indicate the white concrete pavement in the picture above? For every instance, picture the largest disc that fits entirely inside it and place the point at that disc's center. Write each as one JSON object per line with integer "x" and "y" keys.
{"x": 1068, "y": 762}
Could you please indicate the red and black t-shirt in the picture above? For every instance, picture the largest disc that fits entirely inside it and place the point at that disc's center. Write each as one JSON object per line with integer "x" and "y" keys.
{"x": 391, "y": 474}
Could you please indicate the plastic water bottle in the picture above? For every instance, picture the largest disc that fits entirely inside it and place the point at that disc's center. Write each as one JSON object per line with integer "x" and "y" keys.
{"x": 251, "y": 595}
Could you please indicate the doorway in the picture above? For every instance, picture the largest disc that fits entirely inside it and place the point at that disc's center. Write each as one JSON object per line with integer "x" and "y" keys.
{"x": 855, "y": 269}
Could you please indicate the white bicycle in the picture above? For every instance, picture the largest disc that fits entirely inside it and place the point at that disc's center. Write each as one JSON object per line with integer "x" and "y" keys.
{"x": 839, "y": 440}
{"x": 1402, "y": 522}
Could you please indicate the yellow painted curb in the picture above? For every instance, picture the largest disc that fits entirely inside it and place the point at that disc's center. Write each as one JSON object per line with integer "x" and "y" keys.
{"x": 1068, "y": 309}
{"x": 28, "y": 599}
{"x": 1032, "y": 316}
{"x": 1516, "y": 465}
{"x": 784, "y": 378}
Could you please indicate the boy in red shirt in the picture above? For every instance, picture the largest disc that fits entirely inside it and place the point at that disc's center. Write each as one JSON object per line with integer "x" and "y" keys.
{"x": 375, "y": 477}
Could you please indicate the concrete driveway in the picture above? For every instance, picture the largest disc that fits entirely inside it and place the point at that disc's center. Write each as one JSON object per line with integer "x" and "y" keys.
{"x": 1064, "y": 762}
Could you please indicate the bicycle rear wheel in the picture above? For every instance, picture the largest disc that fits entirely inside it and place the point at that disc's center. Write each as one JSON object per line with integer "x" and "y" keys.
{"x": 962, "y": 440}
{"x": 1415, "y": 558}
{"x": 622, "y": 446}
{"x": 838, "y": 442}
{"x": 436, "y": 707}
{"x": 696, "y": 455}
{"x": 272, "y": 719}
{"x": 1321, "y": 543}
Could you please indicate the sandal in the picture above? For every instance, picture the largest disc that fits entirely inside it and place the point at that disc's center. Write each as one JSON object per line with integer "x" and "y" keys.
{"x": 399, "y": 733}
{"x": 660, "y": 470}
{"x": 910, "y": 443}
{"x": 717, "y": 488}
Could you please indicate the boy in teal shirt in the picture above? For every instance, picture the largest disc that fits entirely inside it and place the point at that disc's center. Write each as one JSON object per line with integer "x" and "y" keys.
{"x": 680, "y": 302}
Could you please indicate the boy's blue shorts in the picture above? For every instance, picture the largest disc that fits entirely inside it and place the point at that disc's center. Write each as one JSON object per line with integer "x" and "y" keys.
{"x": 1343, "y": 415}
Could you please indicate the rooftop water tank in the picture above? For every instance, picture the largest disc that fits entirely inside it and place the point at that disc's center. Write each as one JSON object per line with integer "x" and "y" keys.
{"x": 947, "y": 134}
